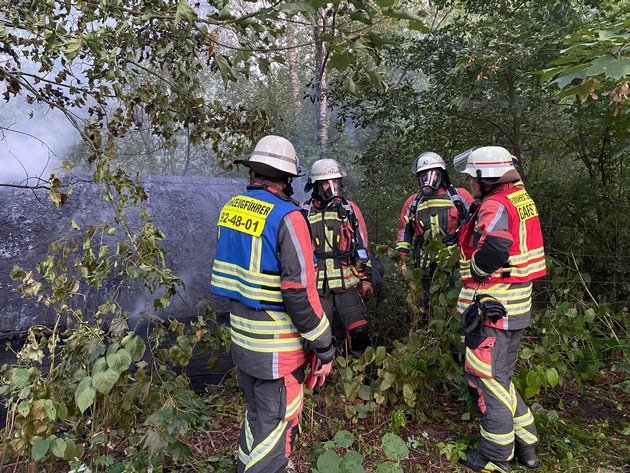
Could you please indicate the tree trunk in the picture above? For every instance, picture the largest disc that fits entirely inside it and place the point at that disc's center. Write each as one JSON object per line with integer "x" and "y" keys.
{"x": 294, "y": 77}
{"x": 321, "y": 116}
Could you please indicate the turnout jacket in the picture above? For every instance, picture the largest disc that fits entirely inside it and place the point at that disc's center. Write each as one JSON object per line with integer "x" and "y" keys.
{"x": 264, "y": 265}
{"x": 338, "y": 229}
{"x": 425, "y": 216}
{"x": 501, "y": 253}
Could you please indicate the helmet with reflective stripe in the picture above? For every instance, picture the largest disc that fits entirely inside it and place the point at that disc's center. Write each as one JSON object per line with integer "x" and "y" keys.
{"x": 273, "y": 156}
{"x": 492, "y": 164}
{"x": 325, "y": 169}
{"x": 428, "y": 160}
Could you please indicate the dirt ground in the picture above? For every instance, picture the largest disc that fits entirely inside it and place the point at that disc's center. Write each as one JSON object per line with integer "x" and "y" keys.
{"x": 597, "y": 409}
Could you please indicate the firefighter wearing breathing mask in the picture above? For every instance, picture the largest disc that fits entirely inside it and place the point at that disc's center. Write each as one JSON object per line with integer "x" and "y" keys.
{"x": 340, "y": 243}
{"x": 437, "y": 211}
{"x": 501, "y": 253}
{"x": 264, "y": 265}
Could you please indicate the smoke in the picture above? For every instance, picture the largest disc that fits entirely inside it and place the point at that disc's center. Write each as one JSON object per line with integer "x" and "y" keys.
{"x": 34, "y": 140}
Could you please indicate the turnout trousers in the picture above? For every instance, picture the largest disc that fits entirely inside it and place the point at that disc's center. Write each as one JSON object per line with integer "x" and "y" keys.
{"x": 271, "y": 419}
{"x": 506, "y": 421}
{"x": 347, "y": 316}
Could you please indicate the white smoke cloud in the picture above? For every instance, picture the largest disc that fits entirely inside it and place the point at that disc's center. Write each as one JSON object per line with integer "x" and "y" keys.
{"x": 34, "y": 140}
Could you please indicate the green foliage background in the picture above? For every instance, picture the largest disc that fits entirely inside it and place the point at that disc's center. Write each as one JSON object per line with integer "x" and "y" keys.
{"x": 175, "y": 88}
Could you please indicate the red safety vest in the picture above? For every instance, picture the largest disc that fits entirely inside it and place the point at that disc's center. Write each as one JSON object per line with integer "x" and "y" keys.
{"x": 527, "y": 254}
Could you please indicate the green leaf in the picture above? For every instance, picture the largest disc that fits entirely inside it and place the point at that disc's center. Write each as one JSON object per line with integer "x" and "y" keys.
{"x": 344, "y": 439}
{"x": 394, "y": 447}
{"x": 552, "y": 377}
{"x": 24, "y": 408}
{"x": 618, "y": 69}
{"x": 297, "y": 7}
{"x": 84, "y": 394}
{"x": 389, "y": 467}
{"x": 365, "y": 393}
{"x": 419, "y": 26}
{"x": 120, "y": 360}
{"x": 185, "y": 12}
{"x": 226, "y": 70}
{"x": 340, "y": 61}
{"x": 136, "y": 348}
{"x": 352, "y": 462}
{"x": 384, "y": 3}
{"x": 40, "y": 449}
{"x": 20, "y": 377}
{"x": 361, "y": 16}
{"x": 99, "y": 365}
{"x": 563, "y": 80}
{"x": 71, "y": 48}
{"x": 104, "y": 381}
{"x": 58, "y": 447}
{"x": 381, "y": 353}
{"x": 329, "y": 462}
{"x": 387, "y": 380}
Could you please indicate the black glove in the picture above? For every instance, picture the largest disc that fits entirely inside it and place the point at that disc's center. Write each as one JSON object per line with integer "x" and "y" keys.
{"x": 491, "y": 308}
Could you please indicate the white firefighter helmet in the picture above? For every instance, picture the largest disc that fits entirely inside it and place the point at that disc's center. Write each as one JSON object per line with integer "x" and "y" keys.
{"x": 428, "y": 160}
{"x": 273, "y": 156}
{"x": 325, "y": 169}
{"x": 325, "y": 178}
{"x": 492, "y": 164}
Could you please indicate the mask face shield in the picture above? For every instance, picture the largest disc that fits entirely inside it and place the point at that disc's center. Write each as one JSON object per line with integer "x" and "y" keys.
{"x": 429, "y": 181}
{"x": 460, "y": 162}
{"x": 329, "y": 188}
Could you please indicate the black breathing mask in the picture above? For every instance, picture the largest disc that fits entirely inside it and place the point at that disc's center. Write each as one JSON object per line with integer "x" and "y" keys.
{"x": 429, "y": 181}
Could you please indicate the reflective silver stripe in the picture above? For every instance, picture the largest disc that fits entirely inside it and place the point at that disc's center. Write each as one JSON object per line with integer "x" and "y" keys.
{"x": 322, "y": 326}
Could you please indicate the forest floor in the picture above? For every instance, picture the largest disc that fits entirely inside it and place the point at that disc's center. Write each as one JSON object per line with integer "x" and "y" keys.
{"x": 590, "y": 435}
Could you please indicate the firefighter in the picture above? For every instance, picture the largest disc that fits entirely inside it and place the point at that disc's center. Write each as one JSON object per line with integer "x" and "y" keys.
{"x": 340, "y": 241}
{"x": 264, "y": 264}
{"x": 437, "y": 210}
{"x": 501, "y": 253}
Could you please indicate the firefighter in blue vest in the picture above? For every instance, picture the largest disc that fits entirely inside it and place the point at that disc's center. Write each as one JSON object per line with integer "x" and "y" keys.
{"x": 438, "y": 210}
{"x": 344, "y": 271}
{"x": 264, "y": 264}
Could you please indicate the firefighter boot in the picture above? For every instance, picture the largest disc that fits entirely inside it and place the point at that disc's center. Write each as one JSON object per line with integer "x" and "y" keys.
{"x": 527, "y": 457}
{"x": 476, "y": 462}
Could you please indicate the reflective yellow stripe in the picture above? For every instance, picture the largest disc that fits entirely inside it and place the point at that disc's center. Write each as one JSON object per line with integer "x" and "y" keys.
{"x": 322, "y": 326}
{"x": 253, "y": 277}
{"x": 270, "y": 327}
{"x": 498, "y": 390}
{"x": 263, "y": 448}
{"x": 526, "y": 255}
{"x": 479, "y": 365}
{"x": 249, "y": 292}
{"x": 500, "y": 439}
{"x": 266, "y": 345}
{"x": 435, "y": 204}
{"x": 256, "y": 256}
{"x": 403, "y": 245}
{"x": 295, "y": 405}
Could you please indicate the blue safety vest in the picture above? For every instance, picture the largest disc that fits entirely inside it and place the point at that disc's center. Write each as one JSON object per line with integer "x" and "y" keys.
{"x": 246, "y": 267}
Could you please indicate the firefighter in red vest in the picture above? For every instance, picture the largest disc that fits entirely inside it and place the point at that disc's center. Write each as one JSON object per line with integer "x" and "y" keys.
{"x": 501, "y": 253}
{"x": 264, "y": 264}
{"x": 438, "y": 210}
